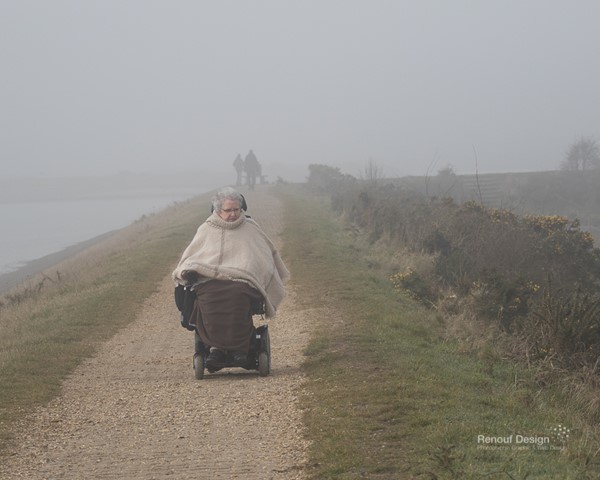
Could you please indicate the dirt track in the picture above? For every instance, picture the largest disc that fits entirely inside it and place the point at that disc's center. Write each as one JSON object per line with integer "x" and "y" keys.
{"x": 135, "y": 411}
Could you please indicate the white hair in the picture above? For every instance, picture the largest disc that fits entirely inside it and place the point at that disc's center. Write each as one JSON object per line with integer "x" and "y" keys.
{"x": 226, "y": 193}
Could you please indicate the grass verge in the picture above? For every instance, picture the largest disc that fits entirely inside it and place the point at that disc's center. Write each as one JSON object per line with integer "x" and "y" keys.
{"x": 46, "y": 332}
{"x": 389, "y": 397}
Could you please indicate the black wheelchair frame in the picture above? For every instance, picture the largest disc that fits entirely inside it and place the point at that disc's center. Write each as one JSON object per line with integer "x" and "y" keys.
{"x": 259, "y": 355}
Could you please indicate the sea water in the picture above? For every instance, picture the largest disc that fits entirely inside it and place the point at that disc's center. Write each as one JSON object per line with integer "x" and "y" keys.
{"x": 31, "y": 230}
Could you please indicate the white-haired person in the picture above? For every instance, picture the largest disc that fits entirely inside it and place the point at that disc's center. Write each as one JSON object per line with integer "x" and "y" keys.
{"x": 231, "y": 264}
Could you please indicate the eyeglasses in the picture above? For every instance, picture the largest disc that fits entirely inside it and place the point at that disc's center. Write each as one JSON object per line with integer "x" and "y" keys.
{"x": 231, "y": 210}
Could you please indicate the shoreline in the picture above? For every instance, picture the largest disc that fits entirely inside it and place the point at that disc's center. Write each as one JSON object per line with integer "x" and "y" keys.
{"x": 29, "y": 269}
{"x": 13, "y": 279}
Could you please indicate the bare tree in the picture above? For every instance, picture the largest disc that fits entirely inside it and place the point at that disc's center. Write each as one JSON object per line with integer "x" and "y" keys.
{"x": 373, "y": 172}
{"x": 447, "y": 171}
{"x": 582, "y": 155}
{"x": 447, "y": 180}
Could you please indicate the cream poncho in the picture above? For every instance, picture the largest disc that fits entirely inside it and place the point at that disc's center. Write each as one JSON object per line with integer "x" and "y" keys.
{"x": 237, "y": 250}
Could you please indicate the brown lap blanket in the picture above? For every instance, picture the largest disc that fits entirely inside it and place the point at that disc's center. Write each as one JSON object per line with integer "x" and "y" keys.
{"x": 222, "y": 314}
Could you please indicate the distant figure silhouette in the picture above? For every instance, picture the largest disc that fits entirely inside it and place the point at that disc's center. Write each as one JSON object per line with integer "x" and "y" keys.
{"x": 238, "y": 164}
{"x": 252, "y": 169}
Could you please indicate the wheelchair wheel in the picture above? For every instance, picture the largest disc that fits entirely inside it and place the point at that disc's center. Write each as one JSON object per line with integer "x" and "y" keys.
{"x": 264, "y": 357}
{"x": 264, "y": 367}
{"x": 199, "y": 366}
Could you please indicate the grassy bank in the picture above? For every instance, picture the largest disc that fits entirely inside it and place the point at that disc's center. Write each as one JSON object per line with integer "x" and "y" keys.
{"x": 59, "y": 318}
{"x": 389, "y": 397}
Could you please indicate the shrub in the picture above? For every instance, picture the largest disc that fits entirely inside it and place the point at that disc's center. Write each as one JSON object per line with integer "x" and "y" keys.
{"x": 414, "y": 285}
{"x": 566, "y": 328}
{"x": 495, "y": 257}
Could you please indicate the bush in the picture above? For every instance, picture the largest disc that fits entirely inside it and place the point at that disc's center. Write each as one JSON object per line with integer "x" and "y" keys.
{"x": 414, "y": 285}
{"x": 566, "y": 328}
{"x": 494, "y": 257}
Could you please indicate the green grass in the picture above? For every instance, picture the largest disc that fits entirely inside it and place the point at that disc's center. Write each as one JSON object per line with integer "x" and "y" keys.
{"x": 388, "y": 397}
{"x": 48, "y": 333}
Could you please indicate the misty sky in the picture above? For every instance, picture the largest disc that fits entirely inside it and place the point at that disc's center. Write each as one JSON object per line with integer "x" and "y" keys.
{"x": 92, "y": 87}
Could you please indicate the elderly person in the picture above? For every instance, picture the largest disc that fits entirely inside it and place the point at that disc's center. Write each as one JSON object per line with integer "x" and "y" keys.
{"x": 231, "y": 264}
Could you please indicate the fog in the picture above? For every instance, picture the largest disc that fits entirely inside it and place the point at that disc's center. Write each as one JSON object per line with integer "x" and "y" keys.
{"x": 99, "y": 87}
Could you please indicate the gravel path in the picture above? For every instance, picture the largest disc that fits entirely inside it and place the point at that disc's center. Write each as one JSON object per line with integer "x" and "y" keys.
{"x": 135, "y": 411}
